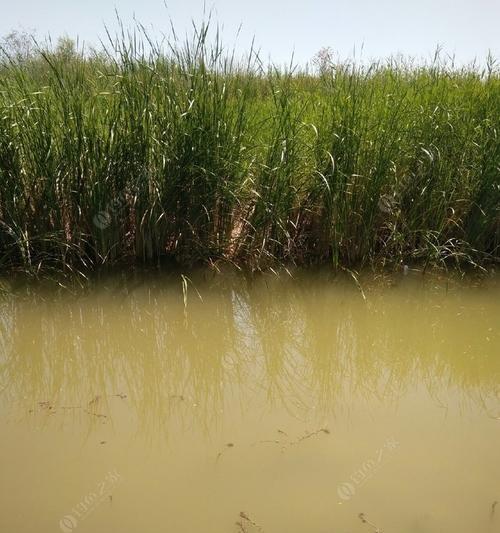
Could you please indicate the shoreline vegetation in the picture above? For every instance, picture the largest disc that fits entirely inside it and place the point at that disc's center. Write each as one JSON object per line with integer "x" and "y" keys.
{"x": 143, "y": 153}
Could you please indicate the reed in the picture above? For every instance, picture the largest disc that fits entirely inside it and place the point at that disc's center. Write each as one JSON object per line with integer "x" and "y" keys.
{"x": 147, "y": 151}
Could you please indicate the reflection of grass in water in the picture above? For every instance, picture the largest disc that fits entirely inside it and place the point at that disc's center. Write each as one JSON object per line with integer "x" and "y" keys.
{"x": 301, "y": 343}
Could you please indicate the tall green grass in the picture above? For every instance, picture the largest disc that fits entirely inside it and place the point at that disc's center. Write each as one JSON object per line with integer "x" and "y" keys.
{"x": 143, "y": 152}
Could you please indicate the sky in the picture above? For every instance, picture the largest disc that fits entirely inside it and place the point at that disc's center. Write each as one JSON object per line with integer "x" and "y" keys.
{"x": 368, "y": 29}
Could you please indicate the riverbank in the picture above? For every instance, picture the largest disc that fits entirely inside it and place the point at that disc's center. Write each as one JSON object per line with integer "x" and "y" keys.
{"x": 188, "y": 156}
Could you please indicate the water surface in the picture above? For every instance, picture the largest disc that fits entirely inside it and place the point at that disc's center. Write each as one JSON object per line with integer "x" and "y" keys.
{"x": 220, "y": 404}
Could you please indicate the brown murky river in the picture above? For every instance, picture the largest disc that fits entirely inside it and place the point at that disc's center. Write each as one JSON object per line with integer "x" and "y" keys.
{"x": 275, "y": 405}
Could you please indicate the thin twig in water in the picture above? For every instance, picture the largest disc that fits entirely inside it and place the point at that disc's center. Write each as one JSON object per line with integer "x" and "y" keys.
{"x": 267, "y": 442}
{"x": 294, "y": 442}
{"x": 322, "y": 430}
{"x": 355, "y": 277}
{"x": 99, "y": 415}
{"x": 365, "y": 520}
{"x": 219, "y": 455}
{"x": 245, "y": 517}
{"x": 94, "y": 401}
{"x": 492, "y": 512}
{"x": 308, "y": 436}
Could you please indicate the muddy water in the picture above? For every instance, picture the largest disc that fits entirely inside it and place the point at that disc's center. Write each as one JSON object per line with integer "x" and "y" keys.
{"x": 271, "y": 405}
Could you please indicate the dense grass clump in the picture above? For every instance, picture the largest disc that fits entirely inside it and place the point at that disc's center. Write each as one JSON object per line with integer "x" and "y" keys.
{"x": 183, "y": 152}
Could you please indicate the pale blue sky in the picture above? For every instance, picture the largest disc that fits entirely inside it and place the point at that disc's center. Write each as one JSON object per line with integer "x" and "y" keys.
{"x": 467, "y": 28}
